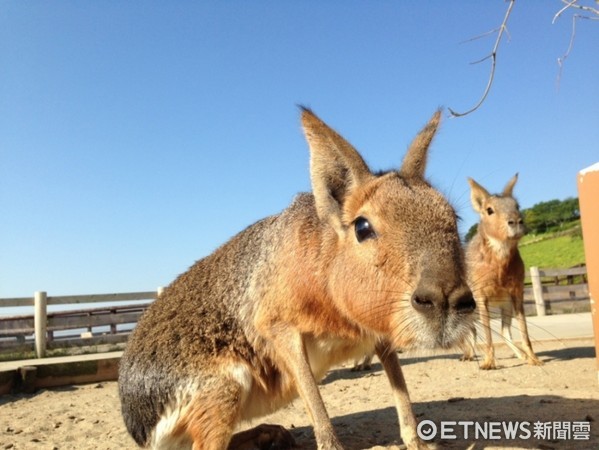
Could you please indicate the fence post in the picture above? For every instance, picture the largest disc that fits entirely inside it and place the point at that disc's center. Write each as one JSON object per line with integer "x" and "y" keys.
{"x": 40, "y": 320}
{"x": 537, "y": 291}
{"x": 159, "y": 291}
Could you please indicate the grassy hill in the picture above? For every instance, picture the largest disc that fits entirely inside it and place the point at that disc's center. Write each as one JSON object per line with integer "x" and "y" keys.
{"x": 554, "y": 249}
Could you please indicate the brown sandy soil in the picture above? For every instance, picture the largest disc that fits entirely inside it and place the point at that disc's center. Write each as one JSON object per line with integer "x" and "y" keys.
{"x": 442, "y": 388}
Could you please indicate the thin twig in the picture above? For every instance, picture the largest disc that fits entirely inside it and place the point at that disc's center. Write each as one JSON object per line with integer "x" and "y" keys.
{"x": 575, "y": 17}
{"x": 493, "y": 56}
{"x": 560, "y": 61}
{"x": 561, "y": 11}
{"x": 480, "y": 36}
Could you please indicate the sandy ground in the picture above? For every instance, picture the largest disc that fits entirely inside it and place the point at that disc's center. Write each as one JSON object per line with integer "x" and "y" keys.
{"x": 564, "y": 390}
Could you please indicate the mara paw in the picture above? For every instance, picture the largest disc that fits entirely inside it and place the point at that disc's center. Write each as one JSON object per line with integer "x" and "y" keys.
{"x": 488, "y": 364}
{"x": 263, "y": 437}
{"x": 534, "y": 361}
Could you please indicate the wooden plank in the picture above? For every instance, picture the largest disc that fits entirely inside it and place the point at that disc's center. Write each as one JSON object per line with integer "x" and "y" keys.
{"x": 103, "y": 310}
{"x": 13, "y": 332}
{"x": 96, "y": 340}
{"x": 16, "y": 301}
{"x": 101, "y": 298}
{"x": 9, "y": 326}
{"x": 528, "y": 294}
{"x": 583, "y": 289}
{"x": 552, "y": 298}
{"x": 550, "y": 272}
{"x": 66, "y": 371}
{"x": 65, "y": 323}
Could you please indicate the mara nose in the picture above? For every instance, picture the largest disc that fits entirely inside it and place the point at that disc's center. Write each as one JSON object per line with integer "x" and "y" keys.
{"x": 464, "y": 303}
{"x": 426, "y": 301}
{"x": 512, "y": 222}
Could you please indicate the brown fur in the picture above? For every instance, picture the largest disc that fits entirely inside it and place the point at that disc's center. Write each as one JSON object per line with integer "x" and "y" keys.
{"x": 496, "y": 270}
{"x": 259, "y": 321}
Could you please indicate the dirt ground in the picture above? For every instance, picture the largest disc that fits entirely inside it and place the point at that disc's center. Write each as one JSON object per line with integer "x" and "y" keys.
{"x": 564, "y": 390}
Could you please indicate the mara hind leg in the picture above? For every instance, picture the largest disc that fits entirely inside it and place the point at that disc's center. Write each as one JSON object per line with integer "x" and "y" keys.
{"x": 208, "y": 421}
{"x": 204, "y": 421}
{"x": 469, "y": 346}
{"x": 506, "y": 330}
{"x": 531, "y": 358}
{"x": 365, "y": 363}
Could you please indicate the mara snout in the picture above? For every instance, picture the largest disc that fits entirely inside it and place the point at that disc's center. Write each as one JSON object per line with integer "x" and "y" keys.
{"x": 444, "y": 320}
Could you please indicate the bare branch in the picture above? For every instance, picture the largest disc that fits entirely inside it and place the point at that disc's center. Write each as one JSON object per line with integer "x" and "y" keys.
{"x": 575, "y": 4}
{"x": 575, "y": 17}
{"x": 561, "y": 11}
{"x": 493, "y": 56}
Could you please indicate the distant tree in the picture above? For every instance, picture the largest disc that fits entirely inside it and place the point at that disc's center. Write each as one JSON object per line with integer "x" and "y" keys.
{"x": 550, "y": 214}
{"x": 471, "y": 232}
{"x": 533, "y": 220}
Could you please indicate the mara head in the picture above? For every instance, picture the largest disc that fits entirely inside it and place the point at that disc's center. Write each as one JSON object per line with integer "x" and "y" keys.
{"x": 393, "y": 256}
{"x": 500, "y": 218}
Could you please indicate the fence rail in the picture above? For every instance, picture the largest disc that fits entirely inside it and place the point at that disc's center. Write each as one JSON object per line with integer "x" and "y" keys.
{"x": 44, "y": 330}
{"x": 548, "y": 291}
{"x": 75, "y": 299}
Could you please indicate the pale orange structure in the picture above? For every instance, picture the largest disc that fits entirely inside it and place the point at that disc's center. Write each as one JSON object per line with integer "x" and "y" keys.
{"x": 588, "y": 191}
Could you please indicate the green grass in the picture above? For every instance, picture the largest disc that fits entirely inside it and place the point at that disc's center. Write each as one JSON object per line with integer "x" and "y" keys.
{"x": 559, "y": 251}
{"x": 30, "y": 354}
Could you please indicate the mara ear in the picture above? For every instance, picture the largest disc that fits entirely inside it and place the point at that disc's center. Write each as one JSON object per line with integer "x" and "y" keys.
{"x": 335, "y": 168}
{"x": 414, "y": 162}
{"x": 509, "y": 187}
{"x": 478, "y": 195}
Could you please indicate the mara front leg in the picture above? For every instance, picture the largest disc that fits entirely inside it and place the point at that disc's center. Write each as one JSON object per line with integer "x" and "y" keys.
{"x": 407, "y": 420}
{"x": 485, "y": 320}
{"x": 292, "y": 352}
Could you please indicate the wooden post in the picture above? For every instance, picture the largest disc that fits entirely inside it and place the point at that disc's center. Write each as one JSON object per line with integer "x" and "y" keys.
{"x": 28, "y": 376}
{"x": 537, "y": 291}
{"x": 40, "y": 320}
{"x": 588, "y": 191}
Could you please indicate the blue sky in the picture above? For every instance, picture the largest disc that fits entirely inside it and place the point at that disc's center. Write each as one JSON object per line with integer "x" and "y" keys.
{"x": 136, "y": 137}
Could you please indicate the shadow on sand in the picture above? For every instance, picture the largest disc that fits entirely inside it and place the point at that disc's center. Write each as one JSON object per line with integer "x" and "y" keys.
{"x": 380, "y": 427}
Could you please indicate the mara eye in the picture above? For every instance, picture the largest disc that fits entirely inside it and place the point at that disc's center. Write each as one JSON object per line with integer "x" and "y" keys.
{"x": 363, "y": 229}
{"x": 490, "y": 211}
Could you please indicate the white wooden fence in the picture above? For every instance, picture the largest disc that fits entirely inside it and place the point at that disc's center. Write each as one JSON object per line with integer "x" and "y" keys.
{"x": 556, "y": 290}
{"x": 44, "y": 326}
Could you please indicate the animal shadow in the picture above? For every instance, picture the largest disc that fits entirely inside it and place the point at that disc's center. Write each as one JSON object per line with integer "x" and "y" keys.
{"x": 379, "y": 427}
